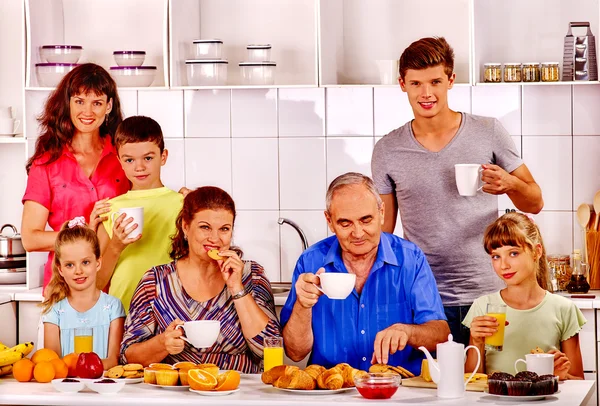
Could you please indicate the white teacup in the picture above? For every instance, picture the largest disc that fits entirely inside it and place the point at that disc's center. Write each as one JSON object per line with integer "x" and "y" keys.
{"x": 388, "y": 71}
{"x": 336, "y": 285}
{"x": 137, "y": 213}
{"x": 7, "y": 112}
{"x": 541, "y": 364}
{"x": 467, "y": 178}
{"x": 9, "y": 126}
{"x": 201, "y": 333}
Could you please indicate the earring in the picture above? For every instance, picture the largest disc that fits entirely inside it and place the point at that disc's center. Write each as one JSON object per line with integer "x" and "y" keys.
{"x": 185, "y": 237}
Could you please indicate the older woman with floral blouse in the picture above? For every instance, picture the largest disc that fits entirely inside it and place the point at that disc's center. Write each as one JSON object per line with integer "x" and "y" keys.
{"x": 196, "y": 287}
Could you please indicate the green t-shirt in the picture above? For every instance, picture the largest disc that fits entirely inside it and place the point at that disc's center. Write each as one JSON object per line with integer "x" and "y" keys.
{"x": 161, "y": 207}
{"x": 554, "y": 320}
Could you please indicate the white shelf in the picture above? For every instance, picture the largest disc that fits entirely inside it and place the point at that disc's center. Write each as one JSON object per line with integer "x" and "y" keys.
{"x": 354, "y": 34}
{"x": 565, "y": 83}
{"x": 13, "y": 140}
{"x": 242, "y": 87}
{"x": 100, "y": 27}
{"x": 143, "y": 89}
{"x": 289, "y": 26}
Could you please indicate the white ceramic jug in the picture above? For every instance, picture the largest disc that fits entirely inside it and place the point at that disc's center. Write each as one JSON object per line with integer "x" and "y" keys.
{"x": 448, "y": 371}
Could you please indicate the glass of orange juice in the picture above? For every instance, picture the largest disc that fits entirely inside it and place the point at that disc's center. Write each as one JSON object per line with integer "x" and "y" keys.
{"x": 84, "y": 340}
{"x": 273, "y": 352}
{"x": 495, "y": 342}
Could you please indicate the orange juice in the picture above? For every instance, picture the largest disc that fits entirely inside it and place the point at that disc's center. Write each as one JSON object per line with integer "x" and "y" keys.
{"x": 273, "y": 357}
{"x": 84, "y": 344}
{"x": 496, "y": 340}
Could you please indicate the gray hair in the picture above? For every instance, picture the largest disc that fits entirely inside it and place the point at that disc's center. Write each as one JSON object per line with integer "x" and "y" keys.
{"x": 352, "y": 178}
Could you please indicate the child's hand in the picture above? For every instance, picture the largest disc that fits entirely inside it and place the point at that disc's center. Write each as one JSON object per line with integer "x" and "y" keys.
{"x": 561, "y": 364}
{"x": 173, "y": 344}
{"x": 100, "y": 207}
{"x": 121, "y": 229}
{"x": 482, "y": 327}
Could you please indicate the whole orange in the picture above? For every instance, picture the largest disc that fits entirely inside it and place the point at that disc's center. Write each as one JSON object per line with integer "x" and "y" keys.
{"x": 71, "y": 361}
{"x": 43, "y": 372}
{"x": 23, "y": 370}
{"x": 43, "y": 354}
{"x": 61, "y": 370}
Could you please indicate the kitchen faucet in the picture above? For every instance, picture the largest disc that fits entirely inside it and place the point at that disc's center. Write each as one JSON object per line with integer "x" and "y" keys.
{"x": 282, "y": 220}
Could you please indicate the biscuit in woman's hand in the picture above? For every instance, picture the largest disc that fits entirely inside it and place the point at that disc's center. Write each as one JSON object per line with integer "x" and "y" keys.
{"x": 214, "y": 254}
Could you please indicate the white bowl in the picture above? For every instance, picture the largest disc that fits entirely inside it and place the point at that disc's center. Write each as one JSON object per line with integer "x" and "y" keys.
{"x": 129, "y": 58}
{"x": 258, "y": 73}
{"x": 207, "y": 48}
{"x": 50, "y": 74}
{"x": 61, "y": 53}
{"x": 105, "y": 388}
{"x": 259, "y": 53}
{"x": 67, "y": 387}
{"x": 206, "y": 72}
{"x": 133, "y": 76}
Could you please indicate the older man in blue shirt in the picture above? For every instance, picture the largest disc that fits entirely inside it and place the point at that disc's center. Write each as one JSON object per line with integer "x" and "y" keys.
{"x": 395, "y": 306}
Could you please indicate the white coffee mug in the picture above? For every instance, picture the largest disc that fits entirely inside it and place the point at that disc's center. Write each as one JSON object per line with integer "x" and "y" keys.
{"x": 467, "y": 179}
{"x": 201, "y": 333}
{"x": 541, "y": 364}
{"x": 9, "y": 126}
{"x": 336, "y": 285}
{"x": 7, "y": 112}
{"x": 137, "y": 213}
{"x": 388, "y": 71}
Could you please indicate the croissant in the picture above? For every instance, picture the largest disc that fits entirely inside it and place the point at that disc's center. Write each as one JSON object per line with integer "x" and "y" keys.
{"x": 298, "y": 379}
{"x": 349, "y": 373}
{"x": 331, "y": 379}
{"x": 314, "y": 371}
{"x": 270, "y": 376}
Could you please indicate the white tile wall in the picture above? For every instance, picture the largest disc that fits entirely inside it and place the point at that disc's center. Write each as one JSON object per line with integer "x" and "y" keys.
{"x": 557, "y": 231}
{"x": 349, "y": 154}
{"x": 392, "y": 109}
{"x": 503, "y": 201}
{"x": 257, "y": 233}
{"x": 349, "y": 111}
{"x": 586, "y": 169}
{"x": 585, "y": 117}
{"x": 166, "y": 107}
{"x": 301, "y": 112}
{"x": 547, "y": 110}
{"x": 207, "y": 113}
{"x": 129, "y": 102}
{"x": 173, "y": 173}
{"x": 208, "y": 162}
{"x": 502, "y": 102}
{"x": 254, "y": 113}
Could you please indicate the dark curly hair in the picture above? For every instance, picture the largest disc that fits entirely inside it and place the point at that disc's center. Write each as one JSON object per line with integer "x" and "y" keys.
{"x": 57, "y": 129}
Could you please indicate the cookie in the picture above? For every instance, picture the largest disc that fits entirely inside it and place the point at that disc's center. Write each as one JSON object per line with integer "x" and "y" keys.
{"x": 537, "y": 350}
{"x": 132, "y": 367}
{"x": 115, "y": 372}
{"x": 133, "y": 374}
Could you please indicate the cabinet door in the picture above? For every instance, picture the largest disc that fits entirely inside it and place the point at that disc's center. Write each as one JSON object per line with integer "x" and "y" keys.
{"x": 8, "y": 315}
{"x": 587, "y": 341}
{"x": 593, "y": 400}
{"x": 29, "y": 320}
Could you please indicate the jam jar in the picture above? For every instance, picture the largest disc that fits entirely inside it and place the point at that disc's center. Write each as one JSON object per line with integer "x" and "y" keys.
{"x": 492, "y": 72}
{"x": 549, "y": 72}
{"x": 531, "y": 72}
{"x": 512, "y": 72}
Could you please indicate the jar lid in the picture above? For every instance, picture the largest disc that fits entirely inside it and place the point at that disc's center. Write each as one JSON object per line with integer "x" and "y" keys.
{"x": 129, "y": 53}
{"x": 195, "y": 61}
{"x": 256, "y": 46}
{"x": 512, "y": 63}
{"x": 62, "y": 47}
{"x": 550, "y": 63}
{"x": 492, "y": 64}
{"x": 132, "y": 67}
{"x": 57, "y": 64}
{"x": 207, "y": 41}
{"x": 531, "y": 63}
{"x": 263, "y": 63}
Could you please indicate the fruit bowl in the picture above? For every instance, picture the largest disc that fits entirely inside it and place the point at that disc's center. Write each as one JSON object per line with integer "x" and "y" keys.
{"x": 105, "y": 386}
{"x": 377, "y": 385}
{"x": 68, "y": 386}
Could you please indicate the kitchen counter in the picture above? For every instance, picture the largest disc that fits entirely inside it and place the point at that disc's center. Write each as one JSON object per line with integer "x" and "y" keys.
{"x": 5, "y": 298}
{"x": 254, "y": 392}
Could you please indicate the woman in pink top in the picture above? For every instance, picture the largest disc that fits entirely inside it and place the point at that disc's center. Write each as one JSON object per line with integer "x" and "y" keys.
{"x": 75, "y": 168}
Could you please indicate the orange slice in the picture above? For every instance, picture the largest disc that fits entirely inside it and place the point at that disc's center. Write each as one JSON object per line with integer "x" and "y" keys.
{"x": 229, "y": 380}
{"x": 199, "y": 379}
{"x": 214, "y": 254}
{"x": 210, "y": 368}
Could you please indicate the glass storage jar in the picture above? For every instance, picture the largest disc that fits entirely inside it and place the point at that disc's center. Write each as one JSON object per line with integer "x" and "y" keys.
{"x": 560, "y": 266}
{"x": 531, "y": 72}
{"x": 512, "y": 72}
{"x": 549, "y": 72}
{"x": 492, "y": 72}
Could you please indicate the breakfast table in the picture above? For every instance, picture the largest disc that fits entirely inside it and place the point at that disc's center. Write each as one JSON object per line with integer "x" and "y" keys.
{"x": 254, "y": 392}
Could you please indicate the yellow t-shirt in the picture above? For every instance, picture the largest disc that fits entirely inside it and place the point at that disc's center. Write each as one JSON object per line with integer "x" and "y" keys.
{"x": 554, "y": 320}
{"x": 161, "y": 207}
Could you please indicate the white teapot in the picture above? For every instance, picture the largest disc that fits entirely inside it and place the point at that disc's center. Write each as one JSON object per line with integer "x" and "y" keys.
{"x": 448, "y": 371}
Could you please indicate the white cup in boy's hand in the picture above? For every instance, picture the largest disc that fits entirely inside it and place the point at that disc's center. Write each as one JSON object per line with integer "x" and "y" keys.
{"x": 137, "y": 213}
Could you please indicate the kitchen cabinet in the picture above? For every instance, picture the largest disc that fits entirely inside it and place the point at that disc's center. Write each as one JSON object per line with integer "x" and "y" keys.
{"x": 587, "y": 341}
{"x": 8, "y": 315}
{"x": 29, "y": 317}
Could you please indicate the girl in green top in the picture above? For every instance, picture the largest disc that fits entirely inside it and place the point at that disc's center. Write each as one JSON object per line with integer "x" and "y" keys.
{"x": 535, "y": 317}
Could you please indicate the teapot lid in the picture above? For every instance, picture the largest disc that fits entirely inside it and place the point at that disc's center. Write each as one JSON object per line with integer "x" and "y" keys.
{"x": 450, "y": 343}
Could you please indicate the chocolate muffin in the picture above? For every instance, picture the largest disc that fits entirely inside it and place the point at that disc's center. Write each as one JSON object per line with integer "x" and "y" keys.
{"x": 518, "y": 386}
{"x": 532, "y": 376}
{"x": 497, "y": 383}
{"x": 554, "y": 380}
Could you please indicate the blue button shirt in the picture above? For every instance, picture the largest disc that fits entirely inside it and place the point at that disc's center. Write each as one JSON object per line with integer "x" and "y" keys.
{"x": 400, "y": 289}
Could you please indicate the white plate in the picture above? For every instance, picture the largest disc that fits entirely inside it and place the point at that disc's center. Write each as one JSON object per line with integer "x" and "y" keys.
{"x": 130, "y": 380}
{"x": 520, "y": 398}
{"x": 179, "y": 387}
{"x": 214, "y": 392}
{"x": 315, "y": 391}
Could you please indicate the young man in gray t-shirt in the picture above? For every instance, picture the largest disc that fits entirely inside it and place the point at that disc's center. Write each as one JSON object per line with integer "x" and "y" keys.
{"x": 413, "y": 168}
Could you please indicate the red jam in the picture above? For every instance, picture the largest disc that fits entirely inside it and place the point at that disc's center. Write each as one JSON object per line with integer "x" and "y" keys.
{"x": 105, "y": 381}
{"x": 377, "y": 390}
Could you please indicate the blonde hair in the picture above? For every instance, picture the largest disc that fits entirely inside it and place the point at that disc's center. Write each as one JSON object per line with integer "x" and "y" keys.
{"x": 517, "y": 230}
{"x": 57, "y": 288}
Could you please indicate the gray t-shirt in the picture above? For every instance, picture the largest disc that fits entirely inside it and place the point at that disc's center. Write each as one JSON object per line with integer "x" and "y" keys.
{"x": 448, "y": 227}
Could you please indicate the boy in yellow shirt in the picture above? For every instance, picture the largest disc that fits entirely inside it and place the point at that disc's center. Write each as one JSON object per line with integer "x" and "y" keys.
{"x": 141, "y": 150}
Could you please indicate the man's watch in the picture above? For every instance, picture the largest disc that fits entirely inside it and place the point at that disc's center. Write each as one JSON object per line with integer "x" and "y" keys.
{"x": 240, "y": 294}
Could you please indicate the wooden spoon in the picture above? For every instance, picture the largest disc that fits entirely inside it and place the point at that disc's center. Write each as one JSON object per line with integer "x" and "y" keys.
{"x": 597, "y": 210}
{"x": 584, "y": 217}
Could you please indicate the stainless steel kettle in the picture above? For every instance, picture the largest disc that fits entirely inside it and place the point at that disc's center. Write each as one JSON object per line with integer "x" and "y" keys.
{"x": 11, "y": 245}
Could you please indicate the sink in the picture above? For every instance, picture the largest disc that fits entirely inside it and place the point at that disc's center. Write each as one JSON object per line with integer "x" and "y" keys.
{"x": 278, "y": 290}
